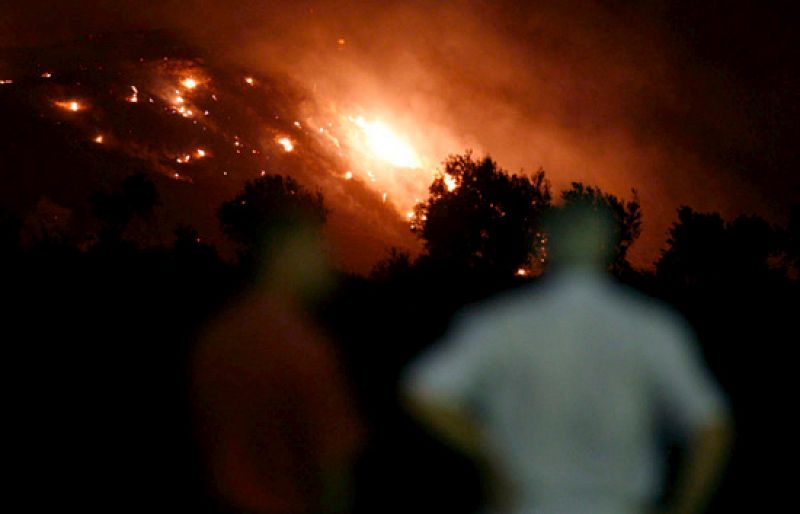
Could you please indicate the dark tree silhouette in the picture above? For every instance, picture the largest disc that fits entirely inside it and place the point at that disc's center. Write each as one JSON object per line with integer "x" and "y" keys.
{"x": 792, "y": 238}
{"x": 396, "y": 264}
{"x": 696, "y": 249}
{"x": 136, "y": 197}
{"x": 479, "y": 217}
{"x": 627, "y": 217}
{"x": 9, "y": 233}
{"x": 189, "y": 247}
{"x": 751, "y": 242}
{"x": 704, "y": 249}
{"x": 265, "y": 203}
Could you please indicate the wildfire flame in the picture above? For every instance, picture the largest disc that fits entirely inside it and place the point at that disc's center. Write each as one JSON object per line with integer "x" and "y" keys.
{"x": 450, "y": 182}
{"x": 286, "y": 143}
{"x": 69, "y": 105}
{"x": 134, "y": 98}
{"x": 384, "y": 144}
{"x": 189, "y": 83}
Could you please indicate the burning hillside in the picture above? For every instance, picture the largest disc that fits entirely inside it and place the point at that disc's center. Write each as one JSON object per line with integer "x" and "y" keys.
{"x": 81, "y": 117}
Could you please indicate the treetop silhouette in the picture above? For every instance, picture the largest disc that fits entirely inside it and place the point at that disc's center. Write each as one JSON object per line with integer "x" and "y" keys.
{"x": 480, "y": 217}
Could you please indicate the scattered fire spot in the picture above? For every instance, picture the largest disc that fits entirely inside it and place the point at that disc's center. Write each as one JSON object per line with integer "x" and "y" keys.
{"x": 286, "y": 143}
{"x": 69, "y": 105}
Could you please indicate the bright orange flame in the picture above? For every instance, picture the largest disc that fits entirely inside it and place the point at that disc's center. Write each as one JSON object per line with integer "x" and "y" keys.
{"x": 522, "y": 272}
{"x": 6, "y": 81}
{"x": 450, "y": 182}
{"x": 69, "y": 105}
{"x": 386, "y": 145}
{"x": 189, "y": 83}
{"x": 201, "y": 153}
{"x": 286, "y": 143}
{"x": 99, "y": 139}
{"x": 348, "y": 175}
{"x": 250, "y": 81}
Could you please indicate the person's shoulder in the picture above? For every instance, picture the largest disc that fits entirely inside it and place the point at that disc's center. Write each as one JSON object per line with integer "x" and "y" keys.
{"x": 653, "y": 316}
{"x": 503, "y": 308}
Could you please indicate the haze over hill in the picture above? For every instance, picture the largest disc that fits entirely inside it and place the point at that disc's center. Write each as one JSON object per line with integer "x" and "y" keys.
{"x": 80, "y": 117}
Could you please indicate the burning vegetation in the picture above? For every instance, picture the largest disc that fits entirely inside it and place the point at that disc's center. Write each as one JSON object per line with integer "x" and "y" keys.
{"x": 211, "y": 127}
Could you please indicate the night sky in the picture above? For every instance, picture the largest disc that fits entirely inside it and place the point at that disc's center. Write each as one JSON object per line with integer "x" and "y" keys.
{"x": 687, "y": 103}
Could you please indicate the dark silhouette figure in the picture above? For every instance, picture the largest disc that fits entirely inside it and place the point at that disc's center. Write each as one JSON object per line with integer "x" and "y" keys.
{"x": 275, "y": 421}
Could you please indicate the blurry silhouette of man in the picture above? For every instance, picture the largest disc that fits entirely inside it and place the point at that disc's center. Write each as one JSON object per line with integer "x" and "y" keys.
{"x": 564, "y": 387}
{"x": 275, "y": 423}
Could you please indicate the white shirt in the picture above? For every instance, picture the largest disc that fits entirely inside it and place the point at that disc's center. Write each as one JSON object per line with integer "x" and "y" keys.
{"x": 571, "y": 380}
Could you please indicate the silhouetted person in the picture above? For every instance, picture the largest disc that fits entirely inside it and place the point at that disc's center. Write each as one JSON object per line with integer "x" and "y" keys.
{"x": 564, "y": 389}
{"x": 274, "y": 419}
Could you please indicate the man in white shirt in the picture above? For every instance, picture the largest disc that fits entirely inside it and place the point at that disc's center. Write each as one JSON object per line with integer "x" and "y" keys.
{"x": 565, "y": 386}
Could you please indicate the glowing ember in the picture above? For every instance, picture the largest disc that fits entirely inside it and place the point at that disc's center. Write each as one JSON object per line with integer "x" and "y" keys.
{"x": 348, "y": 175}
{"x": 183, "y": 159}
{"x": 386, "y": 145}
{"x": 522, "y": 272}
{"x": 250, "y": 81}
{"x": 410, "y": 214}
{"x": 297, "y": 124}
{"x": 134, "y": 97}
{"x": 450, "y": 182}
{"x": 46, "y": 75}
{"x": 341, "y": 41}
{"x": 201, "y": 152}
{"x": 99, "y": 140}
{"x": 179, "y": 100}
{"x": 189, "y": 83}
{"x": 384, "y": 197}
{"x": 6, "y": 81}
{"x": 69, "y": 105}
{"x": 286, "y": 143}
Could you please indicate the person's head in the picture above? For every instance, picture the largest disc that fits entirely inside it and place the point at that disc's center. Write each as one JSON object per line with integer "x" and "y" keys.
{"x": 581, "y": 235}
{"x": 295, "y": 261}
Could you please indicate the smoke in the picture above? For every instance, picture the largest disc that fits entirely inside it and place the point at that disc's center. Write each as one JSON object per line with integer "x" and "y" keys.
{"x": 608, "y": 93}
